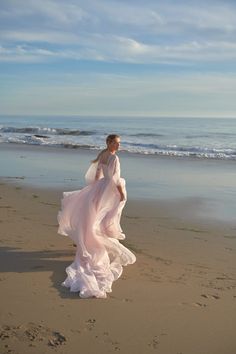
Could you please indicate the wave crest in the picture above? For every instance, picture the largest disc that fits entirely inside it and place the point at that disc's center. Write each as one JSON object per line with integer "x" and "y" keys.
{"x": 46, "y": 130}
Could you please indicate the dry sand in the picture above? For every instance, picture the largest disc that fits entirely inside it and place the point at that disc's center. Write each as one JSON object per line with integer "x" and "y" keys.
{"x": 178, "y": 298}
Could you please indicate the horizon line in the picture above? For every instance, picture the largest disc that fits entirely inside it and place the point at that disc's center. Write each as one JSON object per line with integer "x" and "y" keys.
{"x": 115, "y": 116}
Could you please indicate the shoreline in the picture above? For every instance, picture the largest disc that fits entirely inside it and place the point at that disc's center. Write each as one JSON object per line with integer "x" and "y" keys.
{"x": 210, "y": 185}
{"x": 81, "y": 149}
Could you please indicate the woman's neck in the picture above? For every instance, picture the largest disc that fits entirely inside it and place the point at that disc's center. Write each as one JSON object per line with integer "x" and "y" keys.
{"x": 111, "y": 152}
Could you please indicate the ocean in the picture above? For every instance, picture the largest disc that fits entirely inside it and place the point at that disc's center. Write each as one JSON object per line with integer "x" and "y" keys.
{"x": 207, "y": 138}
{"x": 163, "y": 159}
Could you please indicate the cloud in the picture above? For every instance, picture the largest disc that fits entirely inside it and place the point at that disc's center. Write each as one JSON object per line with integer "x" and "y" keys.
{"x": 24, "y": 54}
{"x": 183, "y": 36}
{"x": 47, "y": 11}
{"x": 110, "y": 48}
{"x": 118, "y": 31}
{"x": 53, "y": 37}
{"x": 149, "y": 16}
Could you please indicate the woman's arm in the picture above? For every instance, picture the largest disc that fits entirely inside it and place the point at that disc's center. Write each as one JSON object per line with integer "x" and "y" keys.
{"x": 115, "y": 175}
{"x": 122, "y": 196}
{"x": 98, "y": 172}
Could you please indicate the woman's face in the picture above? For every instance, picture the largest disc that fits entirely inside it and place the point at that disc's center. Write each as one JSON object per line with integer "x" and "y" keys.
{"x": 114, "y": 145}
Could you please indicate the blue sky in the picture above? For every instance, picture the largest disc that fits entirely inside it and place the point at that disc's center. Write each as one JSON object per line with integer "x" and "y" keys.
{"x": 129, "y": 58}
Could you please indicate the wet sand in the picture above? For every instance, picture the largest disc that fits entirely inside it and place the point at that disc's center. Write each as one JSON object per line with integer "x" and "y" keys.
{"x": 209, "y": 184}
{"x": 178, "y": 298}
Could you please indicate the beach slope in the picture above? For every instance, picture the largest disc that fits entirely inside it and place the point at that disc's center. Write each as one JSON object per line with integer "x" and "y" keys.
{"x": 179, "y": 297}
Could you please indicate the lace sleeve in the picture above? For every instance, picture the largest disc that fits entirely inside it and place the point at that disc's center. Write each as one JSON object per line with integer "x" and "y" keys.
{"x": 90, "y": 175}
{"x": 94, "y": 173}
{"x": 114, "y": 170}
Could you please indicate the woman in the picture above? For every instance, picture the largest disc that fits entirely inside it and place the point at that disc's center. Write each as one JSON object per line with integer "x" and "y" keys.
{"x": 91, "y": 218}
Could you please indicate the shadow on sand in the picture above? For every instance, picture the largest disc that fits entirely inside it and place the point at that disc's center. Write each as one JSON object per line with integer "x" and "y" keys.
{"x": 16, "y": 260}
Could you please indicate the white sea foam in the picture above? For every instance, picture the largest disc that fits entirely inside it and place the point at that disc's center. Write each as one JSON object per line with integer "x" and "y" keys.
{"x": 208, "y": 139}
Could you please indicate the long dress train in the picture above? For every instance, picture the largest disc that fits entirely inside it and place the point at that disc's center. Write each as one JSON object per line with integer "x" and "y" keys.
{"x": 91, "y": 218}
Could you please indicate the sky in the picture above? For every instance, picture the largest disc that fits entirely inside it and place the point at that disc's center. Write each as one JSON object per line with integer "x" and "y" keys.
{"x": 118, "y": 58}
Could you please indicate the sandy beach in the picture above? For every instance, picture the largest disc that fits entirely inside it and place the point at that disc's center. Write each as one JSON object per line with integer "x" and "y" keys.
{"x": 179, "y": 297}
{"x": 146, "y": 91}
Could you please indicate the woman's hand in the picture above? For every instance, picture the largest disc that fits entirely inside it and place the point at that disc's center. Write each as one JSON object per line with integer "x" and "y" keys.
{"x": 122, "y": 196}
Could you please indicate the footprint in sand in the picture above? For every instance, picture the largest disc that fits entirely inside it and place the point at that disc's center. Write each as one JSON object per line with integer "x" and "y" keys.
{"x": 37, "y": 267}
{"x": 120, "y": 299}
{"x": 90, "y": 324}
{"x": 76, "y": 331}
{"x": 154, "y": 342}
{"x": 56, "y": 340}
{"x": 108, "y": 340}
{"x": 30, "y": 334}
{"x": 45, "y": 203}
{"x": 199, "y": 304}
{"x": 127, "y": 300}
{"x": 210, "y": 296}
{"x": 200, "y": 238}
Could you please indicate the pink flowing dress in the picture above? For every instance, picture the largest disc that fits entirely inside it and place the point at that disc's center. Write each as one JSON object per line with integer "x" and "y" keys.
{"x": 91, "y": 218}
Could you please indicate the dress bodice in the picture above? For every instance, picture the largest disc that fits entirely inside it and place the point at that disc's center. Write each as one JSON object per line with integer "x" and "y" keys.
{"x": 109, "y": 170}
